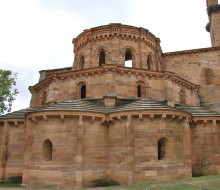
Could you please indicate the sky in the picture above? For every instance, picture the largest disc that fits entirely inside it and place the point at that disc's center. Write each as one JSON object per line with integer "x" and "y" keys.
{"x": 37, "y": 34}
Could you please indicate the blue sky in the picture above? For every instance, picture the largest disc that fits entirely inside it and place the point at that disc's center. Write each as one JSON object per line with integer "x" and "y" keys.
{"x": 37, "y": 34}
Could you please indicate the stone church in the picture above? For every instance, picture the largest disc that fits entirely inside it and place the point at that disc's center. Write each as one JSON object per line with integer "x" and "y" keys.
{"x": 124, "y": 112}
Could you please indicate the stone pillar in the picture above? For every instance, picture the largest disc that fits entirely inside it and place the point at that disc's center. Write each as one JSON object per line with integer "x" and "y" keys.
{"x": 215, "y": 146}
{"x": 187, "y": 145}
{"x": 27, "y": 154}
{"x": 130, "y": 151}
{"x": 79, "y": 154}
{"x": 4, "y": 151}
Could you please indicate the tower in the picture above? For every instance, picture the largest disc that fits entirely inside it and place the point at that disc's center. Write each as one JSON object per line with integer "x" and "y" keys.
{"x": 213, "y": 10}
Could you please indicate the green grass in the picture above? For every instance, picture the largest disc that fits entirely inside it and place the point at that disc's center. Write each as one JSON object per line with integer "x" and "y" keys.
{"x": 9, "y": 185}
{"x": 196, "y": 183}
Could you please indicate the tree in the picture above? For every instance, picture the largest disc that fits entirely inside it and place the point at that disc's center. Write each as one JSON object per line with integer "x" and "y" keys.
{"x": 7, "y": 90}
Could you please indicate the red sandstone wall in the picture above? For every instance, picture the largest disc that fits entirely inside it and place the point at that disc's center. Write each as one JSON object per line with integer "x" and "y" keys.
{"x": 191, "y": 65}
{"x": 12, "y": 142}
{"x": 121, "y": 84}
{"x": 87, "y": 152}
{"x": 205, "y": 138}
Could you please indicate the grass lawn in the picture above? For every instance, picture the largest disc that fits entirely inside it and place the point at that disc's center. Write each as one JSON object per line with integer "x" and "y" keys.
{"x": 196, "y": 183}
{"x": 9, "y": 185}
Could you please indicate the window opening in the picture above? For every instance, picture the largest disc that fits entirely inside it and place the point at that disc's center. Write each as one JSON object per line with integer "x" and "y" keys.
{"x": 128, "y": 59}
{"x": 149, "y": 62}
{"x": 182, "y": 97}
{"x": 47, "y": 150}
{"x": 139, "y": 91}
{"x": 101, "y": 57}
{"x": 161, "y": 148}
{"x": 83, "y": 91}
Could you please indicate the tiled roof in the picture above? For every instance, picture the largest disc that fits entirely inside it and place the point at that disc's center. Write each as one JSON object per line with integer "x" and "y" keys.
{"x": 75, "y": 105}
{"x": 97, "y": 106}
{"x": 19, "y": 114}
{"x": 141, "y": 104}
{"x": 198, "y": 111}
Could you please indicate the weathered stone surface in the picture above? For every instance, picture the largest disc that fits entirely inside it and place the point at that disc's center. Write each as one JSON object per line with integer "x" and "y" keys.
{"x": 102, "y": 122}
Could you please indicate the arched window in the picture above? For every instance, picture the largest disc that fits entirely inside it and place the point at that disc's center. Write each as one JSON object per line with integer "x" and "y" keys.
{"x": 141, "y": 89}
{"x": 128, "y": 58}
{"x": 208, "y": 76}
{"x": 82, "y": 62}
{"x": 162, "y": 148}
{"x": 47, "y": 150}
{"x": 149, "y": 62}
{"x": 83, "y": 91}
{"x": 182, "y": 96}
{"x": 44, "y": 98}
{"x": 102, "y": 57}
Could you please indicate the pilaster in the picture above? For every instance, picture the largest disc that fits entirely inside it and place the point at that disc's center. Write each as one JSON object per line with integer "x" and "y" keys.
{"x": 79, "y": 154}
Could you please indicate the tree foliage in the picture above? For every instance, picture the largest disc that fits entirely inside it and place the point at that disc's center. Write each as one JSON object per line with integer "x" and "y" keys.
{"x": 7, "y": 90}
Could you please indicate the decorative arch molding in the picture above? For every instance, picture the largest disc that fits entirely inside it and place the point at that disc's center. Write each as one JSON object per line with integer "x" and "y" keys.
{"x": 81, "y": 90}
{"x": 133, "y": 55}
{"x": 123, "y": 50}
{"x": 158, "y": 63}
{"x": 182, "y": 96}
{"x": 97, "y": 53}
{"x": 79, "y": 63}
{"x": 208, "y": 76}
{"x": 141, "y": 89}
{"x": 149, "y": 60}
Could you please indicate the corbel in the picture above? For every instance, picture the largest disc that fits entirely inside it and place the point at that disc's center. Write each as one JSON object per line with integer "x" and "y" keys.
{"x": 111, "y": 119}
{"x": 103, "y": 120}
{"x": 152, "y": 116}
{"x": 164, "y": 116}
{"x": 16, "y": 123}
{"x": 34, "y": 119}
{"x": 80, "y": 120}
{"x": 119, "y": 117}
{"x": 45, "y": 117}
{"x": 140, "y": 116}
{"x": 62, "y": 118}
{"x": 204, "y": 121}
{"x": 173, "y": 117}
{"x": 180, "y": 118}
{"x": 214, "y": 122}
{"x": 92, "y": 119}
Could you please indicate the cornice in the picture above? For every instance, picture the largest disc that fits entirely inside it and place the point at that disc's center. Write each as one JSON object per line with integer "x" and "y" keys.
{"x": 107, "y": 32}
{"x": 116, "y": 69}
{"x": 111, "y": 117}
{"x": 193, "y": 51}
{"x": 42, "y": 84}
